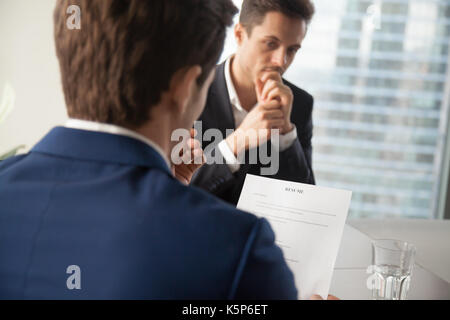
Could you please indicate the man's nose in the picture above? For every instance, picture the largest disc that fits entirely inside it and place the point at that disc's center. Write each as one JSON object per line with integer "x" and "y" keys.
{"x": 279, "y": 58}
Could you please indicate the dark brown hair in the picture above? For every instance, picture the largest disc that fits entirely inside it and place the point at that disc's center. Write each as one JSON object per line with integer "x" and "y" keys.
{"x": 122, "y": 59}
{"x": 254, "y": 11}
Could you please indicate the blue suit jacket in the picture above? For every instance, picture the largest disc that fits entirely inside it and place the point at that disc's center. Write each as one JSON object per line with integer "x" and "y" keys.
{"x": 110, "y": 205}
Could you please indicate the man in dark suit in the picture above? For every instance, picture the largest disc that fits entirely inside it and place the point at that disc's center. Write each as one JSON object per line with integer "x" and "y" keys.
{"x": 249, "y": 94}
{"x": 94, "y": 211}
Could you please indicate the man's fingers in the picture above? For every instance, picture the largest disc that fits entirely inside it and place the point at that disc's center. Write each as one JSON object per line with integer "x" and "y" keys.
{"x": 261, "y": 83}
{"x": 190, "y": 145}
{"x": 273, "y": 114}
{"x": 198, "y": 157}
{"x": 271, "y": 105}
{"x": 276, "y": 123}
{"x": 331, "y": 297}
{"x": 271, "y": 75}
{"x": 259, "y": 86}
{"x": 268, "y": 87}
{"x": 275, "y": 93}
{"x": 194, "y": 144}
{"x": 186, "y": 158}
{"x": 190, "y": 163}
{"x": 193, "y": 132}
{"x": 181, "y": 176}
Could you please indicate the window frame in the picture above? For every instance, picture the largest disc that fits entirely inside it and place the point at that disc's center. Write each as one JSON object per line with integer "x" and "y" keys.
{"x": 443, "y": 203}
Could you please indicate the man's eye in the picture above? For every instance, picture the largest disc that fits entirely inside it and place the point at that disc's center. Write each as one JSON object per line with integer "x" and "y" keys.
{"x": 271, "y": 45}
{"x": 292, "y": 51}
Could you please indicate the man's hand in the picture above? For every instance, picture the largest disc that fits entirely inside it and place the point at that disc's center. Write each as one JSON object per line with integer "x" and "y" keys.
{"x": 273, "y": 111}
{"x": 270, "y": 87}
{"x": 255, "y": 129}
{"x": 192, "y": 160}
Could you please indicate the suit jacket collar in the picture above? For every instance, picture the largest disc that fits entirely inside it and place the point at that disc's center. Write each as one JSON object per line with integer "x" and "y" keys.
{"x": 99, "y": 146}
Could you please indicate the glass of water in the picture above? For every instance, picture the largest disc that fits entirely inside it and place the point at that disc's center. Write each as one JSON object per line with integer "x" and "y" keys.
{"x": 392, "y": 263}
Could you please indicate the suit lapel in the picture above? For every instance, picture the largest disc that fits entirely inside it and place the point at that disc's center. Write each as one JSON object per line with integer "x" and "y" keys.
{"x": 219, "y": 106}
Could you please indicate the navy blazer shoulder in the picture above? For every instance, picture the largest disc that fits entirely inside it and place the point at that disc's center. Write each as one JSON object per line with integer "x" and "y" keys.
{"x": 109, "y": 204}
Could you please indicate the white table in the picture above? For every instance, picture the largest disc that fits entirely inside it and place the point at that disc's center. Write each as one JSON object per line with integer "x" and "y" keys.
{"x": 355, "y": 255}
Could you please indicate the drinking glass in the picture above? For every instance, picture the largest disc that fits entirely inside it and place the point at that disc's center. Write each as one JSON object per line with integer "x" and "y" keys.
{"x": 392, "y": 263}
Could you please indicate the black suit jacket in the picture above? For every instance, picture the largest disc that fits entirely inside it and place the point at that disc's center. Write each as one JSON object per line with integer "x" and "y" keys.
{"x": 295, "y": 162}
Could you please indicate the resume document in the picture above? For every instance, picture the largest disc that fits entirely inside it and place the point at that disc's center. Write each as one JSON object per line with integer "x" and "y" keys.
{"x": 308, "y": 222}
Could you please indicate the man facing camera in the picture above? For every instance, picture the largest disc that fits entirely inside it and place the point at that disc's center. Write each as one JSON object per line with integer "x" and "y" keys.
{"x": 248, "y": 95}
{"x": 94, "y": 211}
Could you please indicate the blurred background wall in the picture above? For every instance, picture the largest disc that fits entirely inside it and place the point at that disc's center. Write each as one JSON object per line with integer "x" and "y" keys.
{"x": 28, "y": 64}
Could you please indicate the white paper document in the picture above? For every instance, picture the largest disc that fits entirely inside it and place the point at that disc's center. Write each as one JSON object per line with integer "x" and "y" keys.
{"x": 308, "y": 222}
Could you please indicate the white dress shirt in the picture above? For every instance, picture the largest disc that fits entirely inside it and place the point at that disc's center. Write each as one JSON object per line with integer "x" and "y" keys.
{"x": 113, "y": 129}
{"x": 239, "y": 114}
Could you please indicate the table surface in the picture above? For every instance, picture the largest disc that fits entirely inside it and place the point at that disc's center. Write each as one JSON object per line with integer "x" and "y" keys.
{"x": 355, "y": 255}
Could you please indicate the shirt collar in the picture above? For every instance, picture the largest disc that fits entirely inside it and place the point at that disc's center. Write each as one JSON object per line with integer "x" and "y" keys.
{"x": 234, "y": 99}
{"x": 113, "y": 129}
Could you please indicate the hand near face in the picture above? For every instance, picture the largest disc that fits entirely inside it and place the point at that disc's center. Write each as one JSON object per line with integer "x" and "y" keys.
{"x": 270, "y": 87}
{"x": 256, "y": 127}
{"x": 273, "y": 111}
{"x": 193, "y": 159}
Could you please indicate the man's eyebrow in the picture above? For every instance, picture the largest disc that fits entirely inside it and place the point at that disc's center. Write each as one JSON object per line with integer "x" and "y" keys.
{"x": 273, "y": 38}
{"x": 297, "y": 46}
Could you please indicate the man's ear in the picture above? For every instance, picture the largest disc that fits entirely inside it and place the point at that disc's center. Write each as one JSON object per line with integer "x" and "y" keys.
{"x": 239, "y": 33}
{"x": 183, "y": 85}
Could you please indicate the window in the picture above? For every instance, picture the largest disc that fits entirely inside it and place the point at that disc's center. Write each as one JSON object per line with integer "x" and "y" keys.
{"x": 379, "y": 78}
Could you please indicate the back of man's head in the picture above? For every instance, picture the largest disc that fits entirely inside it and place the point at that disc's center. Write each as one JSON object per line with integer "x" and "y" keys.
{"x": 254, "y": 11}
{"x": 116, "y": 67}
